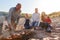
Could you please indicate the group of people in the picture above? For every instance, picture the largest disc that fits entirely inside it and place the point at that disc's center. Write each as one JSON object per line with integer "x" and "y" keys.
{"x": 33, "y": 22}
{"x": 37, "y": 21}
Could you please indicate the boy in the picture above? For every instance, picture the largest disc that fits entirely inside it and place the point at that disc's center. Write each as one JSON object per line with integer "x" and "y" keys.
{"x": 36, "y": 18}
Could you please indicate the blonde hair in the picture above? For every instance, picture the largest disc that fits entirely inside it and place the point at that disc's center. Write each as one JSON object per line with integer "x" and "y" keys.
{"x": 26, "y": 15}
{"x": 43, "y": 16}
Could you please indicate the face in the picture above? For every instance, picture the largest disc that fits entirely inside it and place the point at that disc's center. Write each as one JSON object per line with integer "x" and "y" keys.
{"x": 18, "y": 6}
{"x": 43, "y": 13}
{"x": 26, "y": 15}
{"x": 46, "y": 16}
{"x": 36, "y": 10}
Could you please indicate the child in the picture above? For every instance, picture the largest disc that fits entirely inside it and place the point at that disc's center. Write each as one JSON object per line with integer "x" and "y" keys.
{"x": 47, "y": 19}
{"x": 27, "y": 26}
{"x": 36, "y": 19}
{"x": 46, "y": 22}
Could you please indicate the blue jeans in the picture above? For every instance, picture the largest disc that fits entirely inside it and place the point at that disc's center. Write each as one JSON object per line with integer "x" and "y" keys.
{"x": 27, "y": 27}
{"x": 35, "y": 24}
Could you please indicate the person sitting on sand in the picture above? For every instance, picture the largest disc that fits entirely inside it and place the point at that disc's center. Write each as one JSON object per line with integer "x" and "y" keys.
{"x": 27, "y": 21}
{"x": 35, "y": 18}
{"x": 46, "y": 21}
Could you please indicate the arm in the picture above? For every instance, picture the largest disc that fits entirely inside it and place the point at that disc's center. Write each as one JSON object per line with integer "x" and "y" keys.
{"x": 49, "y": 21}
{"x": 3, "y": 27}
{"x": 38, "y": 19}
{"x": 9, "y": 16}
{"x": 19, "y": 16}
{"x": 32, "y": 17}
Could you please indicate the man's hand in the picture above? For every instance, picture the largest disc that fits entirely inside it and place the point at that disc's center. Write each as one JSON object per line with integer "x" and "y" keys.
{"x": 9, "y": 25}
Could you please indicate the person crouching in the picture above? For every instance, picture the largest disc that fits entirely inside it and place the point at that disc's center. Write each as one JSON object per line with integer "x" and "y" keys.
{"x": 27, "y": 25}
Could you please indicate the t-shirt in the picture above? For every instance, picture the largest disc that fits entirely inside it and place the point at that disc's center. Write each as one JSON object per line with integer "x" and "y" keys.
{"x": 48, "y": 20}
{"x": 13, "y": 14}
{"x": 36, "y": 17}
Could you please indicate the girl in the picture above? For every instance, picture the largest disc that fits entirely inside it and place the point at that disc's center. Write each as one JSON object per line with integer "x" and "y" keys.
{"x": 27, "y": 26}
{"x": 46, "y": 21}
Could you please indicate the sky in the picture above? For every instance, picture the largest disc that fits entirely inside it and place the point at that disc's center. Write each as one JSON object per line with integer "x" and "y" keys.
{"x": 28, "y": 6}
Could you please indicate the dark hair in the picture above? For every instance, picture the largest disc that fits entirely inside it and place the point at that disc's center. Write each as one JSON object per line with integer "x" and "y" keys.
{"x": 36, "y": 8}
{"x": 19, "y": 4}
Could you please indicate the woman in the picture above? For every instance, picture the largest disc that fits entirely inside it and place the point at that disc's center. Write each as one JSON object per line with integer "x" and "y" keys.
{"x": 46, "y": 21}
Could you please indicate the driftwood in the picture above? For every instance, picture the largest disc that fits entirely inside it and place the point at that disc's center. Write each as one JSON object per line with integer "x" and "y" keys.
{"x": 25, "y": 36}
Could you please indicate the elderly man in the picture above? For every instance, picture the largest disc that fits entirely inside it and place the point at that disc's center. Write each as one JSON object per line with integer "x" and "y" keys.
{"x": 14, "y": 15}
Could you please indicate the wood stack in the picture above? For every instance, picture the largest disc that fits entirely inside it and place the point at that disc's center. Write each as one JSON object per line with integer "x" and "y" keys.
{"x": 25, "y": 36}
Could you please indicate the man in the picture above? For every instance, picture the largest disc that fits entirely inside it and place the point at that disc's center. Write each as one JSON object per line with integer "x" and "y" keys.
{"x": 14, "y": 15}
{"x": 36, "y": 18}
